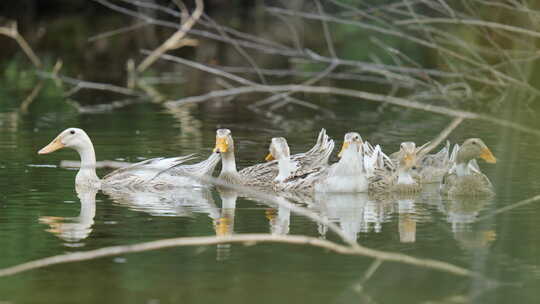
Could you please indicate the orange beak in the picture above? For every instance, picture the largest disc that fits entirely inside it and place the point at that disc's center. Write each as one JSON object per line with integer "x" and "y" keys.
{"x": 269, "y": 157}
{"x": 221, "y": 145}
{"x": 56, "y": 144}
{"x": 409, "y": 159}
{"x": 488, "y": 156}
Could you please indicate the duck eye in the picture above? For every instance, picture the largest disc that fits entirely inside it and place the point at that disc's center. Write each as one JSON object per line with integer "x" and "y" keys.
{"x": 72, "y": 131}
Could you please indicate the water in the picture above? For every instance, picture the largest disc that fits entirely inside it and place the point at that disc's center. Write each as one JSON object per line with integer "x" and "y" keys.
{"x": 41, "y": 215}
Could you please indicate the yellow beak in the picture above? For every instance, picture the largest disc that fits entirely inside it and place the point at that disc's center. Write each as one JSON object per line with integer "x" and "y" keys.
{"x": 409, "y": 159}
{"x": 488, "y": 156}
{"x": 343, "y": 148}
{"x": 223, "y": 226}
{"x": 53, "y": 146}
{"x": 269, "y": 157}
{"x": 221, "y": 145}
{"x": 270, "y": 214}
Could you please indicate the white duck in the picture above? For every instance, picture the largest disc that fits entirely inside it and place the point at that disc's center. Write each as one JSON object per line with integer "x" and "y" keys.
{"x": 139, "y": 175}
{"x": 346, "y": 176}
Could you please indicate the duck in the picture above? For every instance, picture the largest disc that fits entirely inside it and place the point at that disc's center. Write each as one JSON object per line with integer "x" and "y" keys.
{"x": 348, "y": 175}
{"x": 402, "y": 179}
{"x": 262, "y": 175}
{"x": 465, "y": 177}
{"x": 156, "y": 172}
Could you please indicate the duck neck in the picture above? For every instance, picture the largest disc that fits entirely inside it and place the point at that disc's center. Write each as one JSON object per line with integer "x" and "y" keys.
{"x": 228, "y": 163}
{"x": 87, "y": 172}
{"x": 404, "y": 177}
{"x": 462, "y": 169}
{"x": 286, "y": 167}
{"x": 351, "y": 161}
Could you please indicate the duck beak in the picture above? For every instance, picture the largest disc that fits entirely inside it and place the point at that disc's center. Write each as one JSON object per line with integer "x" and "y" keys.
{"x": 56, "y": 144}
{"x": 223, "y": 226}
{"x": 221, "y": 145}
{"x": 270, "y": 214}
{"x": 488, "y": 156}
{"x": 409, "y": 159}
{"x": 343, "y": 148}
{"x": 269, "y": 157}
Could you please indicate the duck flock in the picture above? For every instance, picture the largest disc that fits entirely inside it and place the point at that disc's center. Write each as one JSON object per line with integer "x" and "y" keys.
{"x": 362, "y": 167}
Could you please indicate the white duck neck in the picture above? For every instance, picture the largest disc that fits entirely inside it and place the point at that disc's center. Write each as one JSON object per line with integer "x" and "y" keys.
{"x": 351, "y": 160}
{"x": 286, "y": 167}
{"x": 87, "y": 172}
{"x": 462, "y": 169}
{"x": 228, "y": 162}
{"x": 404, "y": 177}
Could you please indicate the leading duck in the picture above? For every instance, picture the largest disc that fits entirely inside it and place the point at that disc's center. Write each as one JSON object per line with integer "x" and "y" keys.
{"x": 138, "y": 175}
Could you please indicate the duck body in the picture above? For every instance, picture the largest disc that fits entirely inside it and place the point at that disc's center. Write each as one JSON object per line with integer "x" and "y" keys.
{"x": 464, "y": 178}
{"x": 473, "y": 184}
{"x": 152, "y": 173}
{"x": 346, "y": 176}
{"x": 262, "y": 175}
{"x": 401, "y": 179}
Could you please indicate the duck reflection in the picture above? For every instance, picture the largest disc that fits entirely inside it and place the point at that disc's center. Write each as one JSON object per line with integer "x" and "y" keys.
{"x": 411, "y": 209}
{"x": 74, "y": 229}
{"x": 407, "y": 221}
{"x": 280, "y": 217}
{"x": 224, "y": 222}
{"x": 183, "y": 202}
{"x": 354, "y": 212}
{"x": 462, "y": 213}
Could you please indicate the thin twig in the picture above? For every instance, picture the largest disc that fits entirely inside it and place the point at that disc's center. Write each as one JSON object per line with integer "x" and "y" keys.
{"x": 246, "y": 239}
{"x": 12, "y": 32}
{"x": 238, "y": 48}
{"x": 81, "y": 84}
{"x": 442, "y": 136}
{"x": 173, "y": 41}
{"x": 482, "y": 23}
{"x": 31, "y": 97}
{"x": 522, "y": 203}
{"x": 355, "y": 94}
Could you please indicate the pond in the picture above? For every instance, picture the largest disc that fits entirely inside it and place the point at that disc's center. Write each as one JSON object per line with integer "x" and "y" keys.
{"x": 41, "y": 214}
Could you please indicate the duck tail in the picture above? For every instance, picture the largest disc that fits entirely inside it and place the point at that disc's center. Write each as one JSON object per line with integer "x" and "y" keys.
{"x": 206, "y": 167}
{"x": 323, "y": 147}
{"x": 454, "y": 153}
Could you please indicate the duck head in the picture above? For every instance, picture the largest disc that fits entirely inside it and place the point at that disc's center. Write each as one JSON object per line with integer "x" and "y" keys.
{"x": 73, "y": 138}
{"x": 475, "y": 148}
{"x": 408, "y": 153}
{"x": 351, "y": 141}
{"x": 279, "y": 149}
{"x": 224, "y": 141}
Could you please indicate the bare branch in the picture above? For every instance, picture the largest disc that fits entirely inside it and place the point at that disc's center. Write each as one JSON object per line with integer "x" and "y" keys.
{"x": 443, "y": 135}
{"x": 531, "y": 200}
{"x": 246, "y": 239}
{"x": 12, "y": 32}
{"x": 81, "y": 84}
{"x": 355, "y": 94}
{"x": 494, "y": 25}
{"x": 174, "y": 40}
